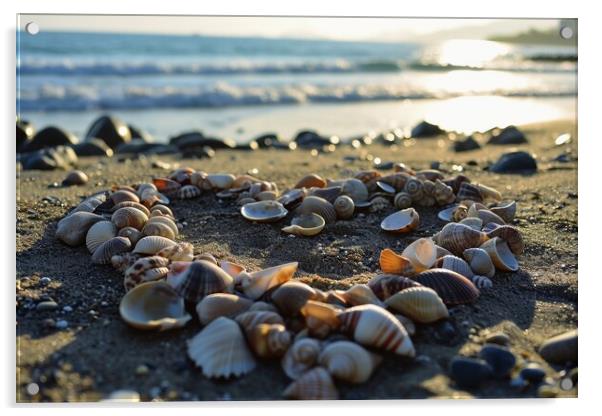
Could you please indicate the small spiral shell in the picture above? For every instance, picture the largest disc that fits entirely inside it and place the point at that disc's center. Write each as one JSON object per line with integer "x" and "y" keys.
{"x": 348, "y": 361}
{"x": 301, "y": 356}
{"x": 344, "y": 207}
{"x": 403, "y": 200}
{"x": 269, "y": 340}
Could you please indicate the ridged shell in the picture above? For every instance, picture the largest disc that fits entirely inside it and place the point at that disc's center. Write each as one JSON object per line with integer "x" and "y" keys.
{"x": 200, "y": 279}
{"x": 413, "y": 187}
{"x": 506, "y": 210}
{"x": 255, "y": 284}
{"x": 500, "y": 254}
{"x": 291, "y": 296}
{"x": 89, "y": 204}
{"x": 153, "y": 306}
{"x": 386, "y": 285}
{"x": 421, "y": 304}
{"x": 167, "y": 186}
{"x": 360, "y": 295}
{"x": 452, "y": 287}
{"x": 131, "y": 204}
{"x": 179, "y": 252}
{"x": 188, "y": 192}
{"x": 344, "y": 207}
{"x": 320, "y": 206}
{"x": 264, "y": 211}
{"x": 355, "y": 189}
{"x": 163, "y": 210}
{"x": 129, "y": 217}
{"x": 300, "y": 357}
{"x": 316, "y": 384}
{"x": 482, "y": 282}
{"x": 393, "y": 263}
{"x": 310, "y": 181}
{"x": 479, "y": 261}
{"x": 269, "y": 340}
{"x": 458, "y": 237}
{"x": 305, "y": 225}
{"x": 469, "y": 191}
{"x": 373, "y": 326}
{"x": 348, "y": 361}
{"x": 160, "y": 229}
{"x": 510, "y": 235}
{"x": 250, "y": 319}
{"x": 151, "y": 245}
{"x": 146, "y": 269}
{"x": 330, "y": 194}
{"x": 168, "y": 221}
{"x": 73, "y": 228}
{"x": 131, "y": 234}
{"x": 455, "y": 264}
{"x": 422, "y": 253}
{"x": 402, "y": 200}
{"x": 402, "y": 221}
{"x": 104, "y": 252}
{"x": 221, "y": 304}
{"x": 221, "y": 350}
{"x": 122, "y": 196}
{"x": 99, "y": 233}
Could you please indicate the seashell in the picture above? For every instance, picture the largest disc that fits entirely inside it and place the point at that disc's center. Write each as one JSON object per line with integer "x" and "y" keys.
{"x": 145, "y": 270}
{"x": 385, "y": 187}
{"x": 269, "y": 340}
{"x": 444, "y": 194}
{"x": 151, "y": 245}
{"x": 487, "y": 216}
{"x": 243, "y": 181}
{"x": 479, "y": 261}
{"x": 205, "y": 256}
{"x": 455, "y": 264}
{"x": 163, "y": 210}
{"x": 250, "y": 319}
{"x": 422, "y": 253}
{"x": 321, "y": 318}
{"x": 306, "y": 225}
{"x": 123, "y": 261}
{"x": 255, "y": 284}
{"x": 292, "y": 197}
{"x": 413, "y": 187}
{"x": 426, "y": 201}
{"x": 75, "y": 177}
{"x": 421, "y": 304}
{"x": 320, "y": 206}
{"x": 266, "y": 196}
{"x": 330, "y": 194}
{"x": 315, "y": 384}
{"x": 500, "y": 254}
{"x": 291, "y": 296}
{"x": 177, "y": 252}
{"x": 311, "y": 181}
{"x": 402, "y": 221}
{"x": 198, "y": 179}
{"x": 122, "y": 196}
{"x": 99, "y": 233}
{"x": 263, "y": 211}
{"x": 428, "y": 187}
{"x": 334, "y": 297}
{"x": 367, "y": 175}
{"x": 490, "y": 227}
{"x": 167, "y": 186}
{"x": 456, "y": 182}
{"x": 510, "y": 235}
{"x": 373, "y": 326}
{"x": 300, "y": 357}
{"x": 221, "y": 304}
{"x": 232, "y": 269}
{"x": 344, "y": 207}
{"x": 72, "y": 229}
{"x": 168, "y": 221}
{"x": 386, "y": 285}
{"x": 560, "y": 349}
{"x": 379, "y": 203}
{"x": 402, "y": 200}
{"x": 488, "y": 192}
{"x": 506, "y": 210}
{"x": 262, "y": 306}
{"x": 469, "y": 191}
{"x": 144, "y": 187}
{"x": 111, "y": 247}
{"x": 407, "y": 323}
{"x": 459, "y": 213}
{"x": 157, "y": 228}
{"x": 473, "y": 222}
{"x": 355, "y": 189}
{"x": 131, "y": 204}
{"x": 188, "y": 192}
{"x": 89, "y": 204}
{"x": 199, "y": 279}
{"x": 153, "y": 306}
{"x": 429, "y": 174}
{"x": 348, "y": 361}
{"x": 442, "y": 251}
{"x": 181, "y": 175}
{"x": 220, "y": 180}
{"x": 482, "y": 282}
{"x": 447, "y": 214}
{"x": 360, "y": 295}
{"x": 396, "y": 180}
{"x": 458, "y": 237}
{"x": 221, "y": 350}
{"x": 452, "y": 287}
{"x": 393, "y": 263}
{"x": 129, "y": 217}
{"x": 245, "y": 201}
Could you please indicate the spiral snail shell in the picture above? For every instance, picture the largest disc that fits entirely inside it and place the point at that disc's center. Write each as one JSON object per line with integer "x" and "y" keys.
{"x": 344, "y": 207}
{"x": 402, "y": 200}
{"x": 348, "y": 361}
{"x": 269, "y": 340}
{"x": 458, "y": 237}
{"x": 300, "y": 357}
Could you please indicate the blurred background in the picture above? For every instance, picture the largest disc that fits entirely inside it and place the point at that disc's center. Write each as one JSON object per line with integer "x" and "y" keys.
{"x": 241, "y": 77}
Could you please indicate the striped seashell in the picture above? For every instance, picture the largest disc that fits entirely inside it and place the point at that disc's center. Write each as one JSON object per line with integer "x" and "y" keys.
{"x": 199, "y": 279}
{"x": 144, "y": 270}
{"x": 488, "y": 192}
{"x": 123, "y": 261}
{"x": 455, "y": 264}
{"x": 458, "y": 237}
{"x": 506, "y": 210}
{"x": 72, "y": 229}
{"x": 131, "y": 204}
{"x": 123, "y": 195}
{"x": 153, "y": 306}
{"x": 379, "y": 203}
{"x": 500, "y": 254}
{"x": 90, "y": 204}
{"x": 344, "y": 207}
{"x": 160, "y": 229}
{"x": 355, "y": 189}
{"x": 292, "y": 197}
{"x": 487, "y": 216}
{"x": 269, "y": 340}
{"x": 348, "y": 361}
{"x": 250, "y": 319}
{"x": 221, "y": 350}
{"x": 479, "y": 262}
{"x": 311, "y": 181}
{"x": 300, "y": 357}
{"x": 179, "y": 252}
{"x": 220, "y": 180}
{"x": 442, "y": 251}
{"x": 489, "y": 227}
{"x": 131, "y": 234}
{"x": 472, "y": 222}
{"x": 386, "y": 285}
{"x": 291, "y": 296}
{"x": 315, "y": 384}
{"x": 129, "y": 217}
{"x": 422, "y": 253}
{"x": 221, "y": 304}
{"x": 452, "y": 287}
{"x": 111, "y": 247}
{"x": 165, "y": 210}
{"x": 99, "y": 233}
{"x": 367, "y": 175}
{"x": 360, "y": 294}
{"x": 168, "y": 221}
{"x": 510, "y": 235}
{"x": 188, "y": 192}
{"x": 330, "y": 194}
{"x": 373, "y": 326}
{"x": 456, "y": 182}
{"x": 402, "y": 221}
{"x": 255, "y": 284}
{"x": 393, "y": 263}
{"x": 421, "y": 304}
{"x": 167, "y": 186}
{"x": 320, "y": 206}
{"x": 482, "y": 282}
{"x": 151, "y": 245}
{"x": 402, "y": 200}
{"x": 469, "y": 191}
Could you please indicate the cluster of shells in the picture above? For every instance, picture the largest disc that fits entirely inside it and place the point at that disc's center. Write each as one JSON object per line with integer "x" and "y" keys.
{"x": 318, "y": 336}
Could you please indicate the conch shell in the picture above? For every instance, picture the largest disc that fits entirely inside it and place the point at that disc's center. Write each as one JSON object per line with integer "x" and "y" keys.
{"x": 250, "y": 319}
{"x": 402, "y": 200}
{"x": 348, "y": 361}
{"x": 421, "y": 304}
{"x": 506, "y": 210}
{"x": 269, "y": 340}
{"x": 320, "y": 318}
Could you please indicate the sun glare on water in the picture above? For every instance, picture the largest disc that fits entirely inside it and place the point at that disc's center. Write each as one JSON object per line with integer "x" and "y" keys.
{"x": 470, "y": 53}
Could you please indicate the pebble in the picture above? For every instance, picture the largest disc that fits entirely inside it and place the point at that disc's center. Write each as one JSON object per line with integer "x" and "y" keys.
{"x": 67, "y": 309}
{"x": 498, "y": 338}
{"x": 62, "y": 324}
{"x": 465, "y": 145}
{"x": 561, "y": 348}
{"x": 509, "y": 135}
{"x": 45, "y": 281}
{"x": 426, "y": 129}
{"x": 46, "y": 306}
{"x": 500, "y": 359}
{"x": 514, "y": 162}
{"x": 533, "y": 373}
{"x": 469, "y": 372}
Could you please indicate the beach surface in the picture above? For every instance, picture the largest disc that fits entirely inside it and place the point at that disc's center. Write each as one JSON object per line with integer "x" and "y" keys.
{"x": 97, "y": 353}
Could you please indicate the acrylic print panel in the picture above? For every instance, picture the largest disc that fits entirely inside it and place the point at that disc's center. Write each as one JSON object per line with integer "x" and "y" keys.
{"x": 261, "y": 208}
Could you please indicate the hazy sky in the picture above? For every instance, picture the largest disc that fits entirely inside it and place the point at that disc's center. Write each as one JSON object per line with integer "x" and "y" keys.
{"x": 387, "y": 29}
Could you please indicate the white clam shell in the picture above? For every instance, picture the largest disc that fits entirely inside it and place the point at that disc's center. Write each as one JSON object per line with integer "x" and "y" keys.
{"x": 306, "y": 225}
{"x": 215, "y": 305}
{"x": 264, "y": 211}
{"x": 501, "y": 255}
{"x": 446, "y": 214}
{"x": 479, "y": 262}
{"x": 402, "y": 221}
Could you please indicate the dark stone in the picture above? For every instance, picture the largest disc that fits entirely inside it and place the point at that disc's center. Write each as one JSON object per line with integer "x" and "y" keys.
{"x": 560, "y": 349}
{"x": 49, "y": 137}
{"x": 514, "y": 162}
{"x": 25, "y": 132}
{"x": 425, "y": 129}
{"x": 384, "y": 166}
{"x": 60, "y": 157}
{"x": 136, "y": 133}
{"x": 501, "y": 359}
{"x": 268, "y": 140}
{"x": 92, "y": 147}
{"x": 140, "y": 147}
{"x": 533, "y": 373}
{"x": 466, "y": 145}
{"x": 309, "y": 139}
{"x": 509, "y": 135}
{"x": 197, "y": 139}
{"x": 469, "y": 372}
{"x": 111, "y": 130}
{"x": 199, "y": 152}
{"x": 251, "y": 145}
{"x": 498, "y": 338}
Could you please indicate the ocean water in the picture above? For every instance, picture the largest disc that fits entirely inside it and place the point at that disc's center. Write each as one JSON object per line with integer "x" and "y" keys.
{"x": 241, "y": 87}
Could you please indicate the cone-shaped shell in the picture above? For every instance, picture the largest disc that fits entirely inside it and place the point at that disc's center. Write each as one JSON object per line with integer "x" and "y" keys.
{"x": 199, "y": 279}
{"x": 99, "y": 233}
{"x": 506, "y": 210}
{"x": 348, "y": 361}
{"x": 402, "y": 221}
{"x": 500, "y": 254}
{"x": 221, "y": 350}
{"x": 320, "y": 206}
{"x": 300, "y": 357}
{"x": 306, "y": 225}
{"x": 421, "y": 304}
{"x": 373, "y": 326}
{"x": 250, "y": 319}
{"x": 153, "y": 306}
{"x": 269, "y": 340}
{"x": 291, "y": 296}
{"x": 111, "y": 247}
{"x": 452, "y": 287}
{"x": 455, "y": 264}
{"x": 316, "y": 384}
{"x": 255, "y": 284}
{"x": 73, "y": 228}
{"x": 422, "y": 253}
{"x": 458, "y": 237}
{"x": 344, "y": 207}
{"x": 479, "y": 261}
{"x": 131, "y": 204}
{"x": 178, "y": 252}
{"x": 402, "y": 200}
{"x": 310, "y": 181}
{"x": 355, "y": 189}
{"x": 360, "y": 295}
{"x": 129, "y": 217}
{"x": 393, "y": 263}
{"x": 263, "y": 211}
{"x": 510, "y": 235}
{"x": 221, "y": 304}
{"x": 146, "y": 269}
{"x": 386, "y": 285}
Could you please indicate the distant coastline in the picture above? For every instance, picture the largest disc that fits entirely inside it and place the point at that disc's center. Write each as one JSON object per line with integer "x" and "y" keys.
{"x": 537, "y": 37}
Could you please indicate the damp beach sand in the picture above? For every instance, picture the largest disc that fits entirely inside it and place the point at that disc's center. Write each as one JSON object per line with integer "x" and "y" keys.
{"x": 73, "y": 345}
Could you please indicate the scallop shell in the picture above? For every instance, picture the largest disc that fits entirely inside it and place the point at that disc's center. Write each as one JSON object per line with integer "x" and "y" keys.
{"x": 472, "y": 222}
{"x": 306, "y": 225}
{"x": 452, "y": 287}
{"x": 315, "y": 384}
{"x": 455, "y": 264}
{"x": 488, "y": 192}
{"x": 255, "y": 284}
{"x": 153, "y": 306}
{"x": 422, "y": 253}
{"x": 330, "y": 194}
{"x": 311, "y": 181}
{"x": 221, "y": 350}
{"x": 506, "y": 210}
{"x": 386, "y": 285}
{"x": 458, "y": 237}
{"x": 469, "y": 191}
{"x": 392, "y": 263}
{"x": 355, "y": 189}
{"x": 167, "y": 186}
{"x": 510, "y": 235}
{"x": 291, "y": 296}
{"x": 250, "y": 319}
{"x": 220, "y": 180}
{"x": 320, "y": 206}
{"x": 129, "y": 217}
{"x": 360, "y": 295}
{"x": 199, "y": 279}
{"x": 500, "y": 254}
{"x": 421, "y": 304}
{"x": 373, "y": 326}
{"x": 144, "y": 270}
{"x": 482, "y": 282}
{"x": 160, "y": 229}
{"x": 73, "y": 228}
{"x": 344, "y": 207}
{"x": 131, "y": 204}
{"x": 151, "y": 245}
{"x": 479, "y": 261}
{"x": 221, "y": 304}
{"x": 402, "y": 221}
{"x": 264, "y": 211}
{"x": 402, "y": 200}
{"x": 111, "y": 247}
{"x": 269, "y": 340}
{"x": 188, "y": 192}
{"x": 348, "y": 361}
{"x": 122, "y": 196}
{"x": 99, "y": 233}
{"x": 178, "y": 252}
{"x": 300, "y": 357}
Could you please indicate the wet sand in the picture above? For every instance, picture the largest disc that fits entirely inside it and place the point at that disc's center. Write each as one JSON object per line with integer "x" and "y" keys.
{"x": 98, "y": 354}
